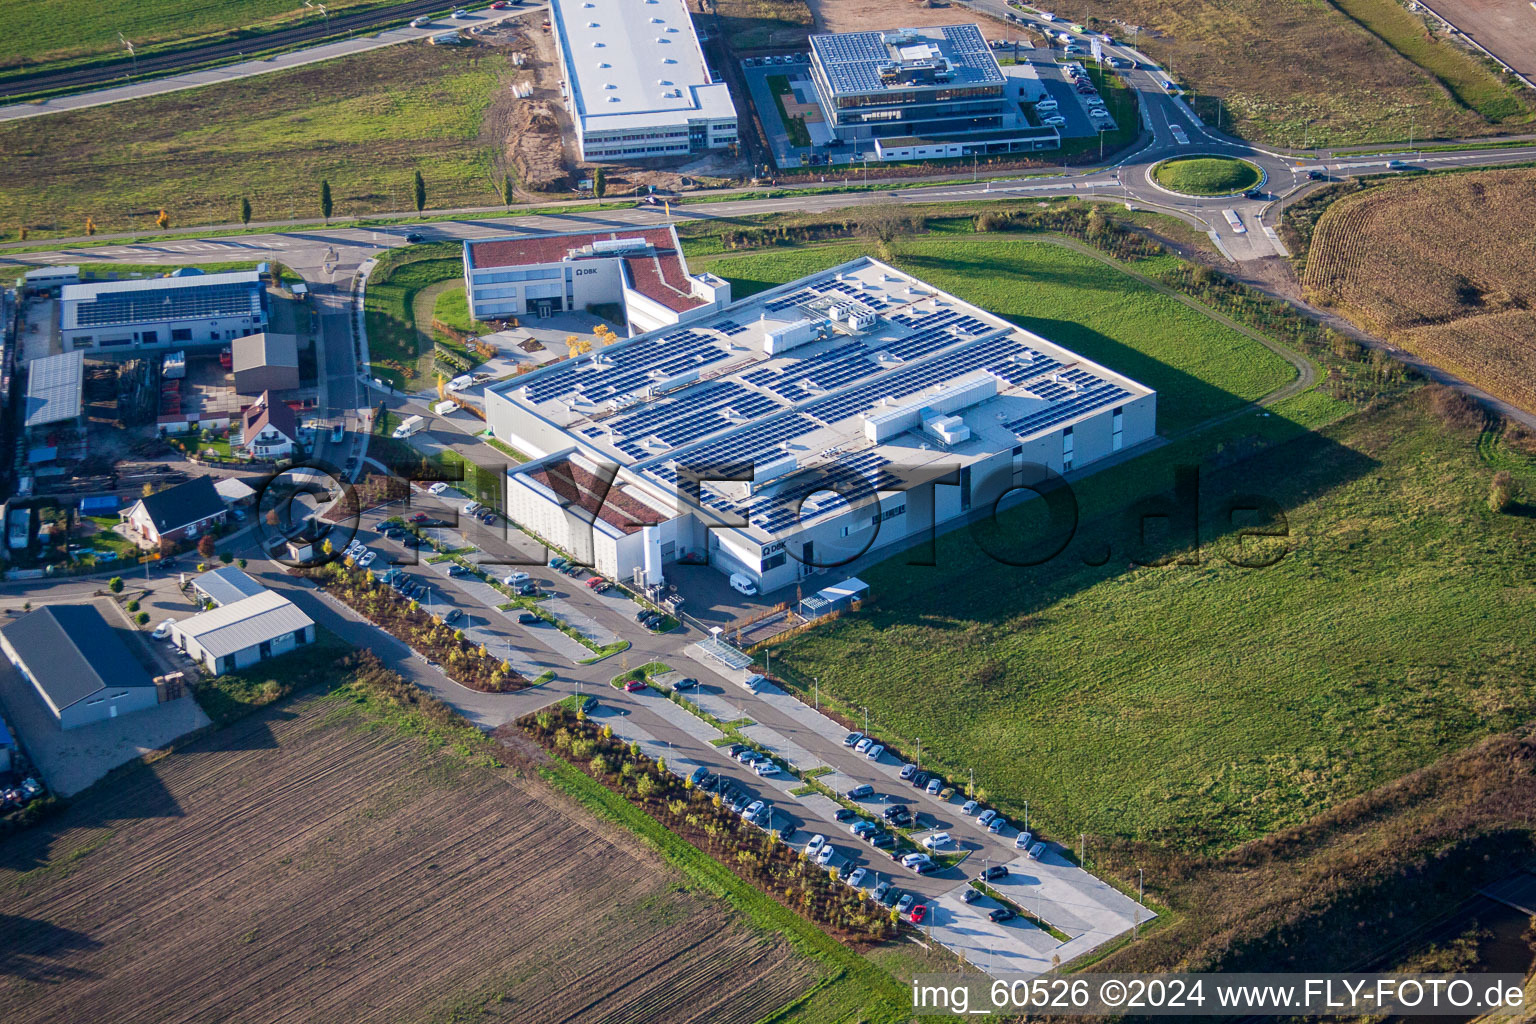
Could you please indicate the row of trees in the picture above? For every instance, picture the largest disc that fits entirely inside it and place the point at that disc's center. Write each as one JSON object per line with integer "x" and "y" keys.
{"x": 704, "y": 821}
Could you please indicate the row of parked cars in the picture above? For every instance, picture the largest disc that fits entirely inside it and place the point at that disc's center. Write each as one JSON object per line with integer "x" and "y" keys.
{"x": 764, "y": 62}
{"x": 14, "y": 798}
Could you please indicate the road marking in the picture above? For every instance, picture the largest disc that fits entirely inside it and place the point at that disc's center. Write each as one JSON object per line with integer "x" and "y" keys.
{"x": 1178, "y": 134}
{"x": 1236, "y": 222}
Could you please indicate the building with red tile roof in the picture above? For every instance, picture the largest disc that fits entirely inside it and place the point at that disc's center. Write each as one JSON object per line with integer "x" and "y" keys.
{"x": 641, "y": 269}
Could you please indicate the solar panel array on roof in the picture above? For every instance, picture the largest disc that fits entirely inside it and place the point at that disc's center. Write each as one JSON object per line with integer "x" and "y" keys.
{"x": 158, "y": 304}
{"x": 695, "y": 413}
{"x": 863, "y": 474}
{"x": 852, "y": 60}
{"x": 1082, "y": 392}
{"x": 630, "y": 368}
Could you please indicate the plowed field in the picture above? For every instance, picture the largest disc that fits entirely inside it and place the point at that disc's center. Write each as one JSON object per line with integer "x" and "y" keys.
{"x": 303, "y": 865}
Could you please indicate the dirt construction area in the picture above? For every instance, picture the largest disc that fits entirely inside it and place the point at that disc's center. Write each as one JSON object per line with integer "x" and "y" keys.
{"x": 1506, "y": 28}
{"x": 883, "y": 15}
{"x": 306, "y": 864}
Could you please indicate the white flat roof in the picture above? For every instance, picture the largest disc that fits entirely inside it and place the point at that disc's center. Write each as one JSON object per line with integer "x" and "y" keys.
{"x": 635, "y": 64}
{"x": 708, "y": 391}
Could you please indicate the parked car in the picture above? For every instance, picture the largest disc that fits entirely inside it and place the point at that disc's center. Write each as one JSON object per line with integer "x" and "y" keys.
{"x": 987, "y": 874}
{"x": 1001, "y": 914}
{"x": 857, "y": 876}
{"x": 461, "y": 13}
{"x": 1023, "y": 841}
{"x": 417, "y": 517}
{"x": 528, "y": 590}
{"x": 595, "y": 582}
{"x": 912, "y": 860}
{"x": 861, "y": 791}
{"x": 764, "y": 768}
{"x": 813, "y": 847}
{"x": 753, "y": 809}
{"x": 969, "y": 895}
{"x": 488, "y": 517}
{"x": 862, "y": 828}
{"x": 458, "y": 570}
{"x": 453, "y": 616}
{"x": 920, "y": 780}
{"x": 419, "y": 23}
{"x": 429, "y": 523}
{"x": 904, "y": 904}
{"x": 743, "y": 584}
{"x": 874, "y": 752}
{"x": 527, "y": 618}
{"x": 688, "y": 683}
{"x": 970, "y": 807}
{"x": 843, "y": 814}
{"x": 937, "y": 840}
{"x": 513, "y": 579}
{"x": 997, "y": 824}
{"x": 366, "y": 560}
{"x": 163, "y": 630}
{"x": 588, "y": 703}
{"x": 852, "y": 738}
{"x": 908, "y": 770}
{"x": 1054, "y": 122}
{"x": 985, "y": 817}
{"x": 935, "y": 787}
{"x": 917, "y": 913}
{"x": 437, "y": 488}
{"x": 634, "y": 686}
{"x": 471, "y": 508}
{"x": 882, "y": 893}
{"x": 1036, "y": 850}
{"x": 747, "y": 756}
{"x": 863, "y": 745}
{"x": 882, "y": 840}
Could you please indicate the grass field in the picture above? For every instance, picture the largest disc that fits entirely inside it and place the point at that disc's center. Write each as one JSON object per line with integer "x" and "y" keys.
{"x": 1204, "y": 705}
{"x": 759, "y": 24}
{"x": 1443, "y": 266}
{"x": 401, "y": 353}
{"x": 364, "y": 123}
{"x": 46, "y": 33}
{"x": 1207, "y": 175}
{"x": 794, "y": 127}
{"x": 1199, "y": 368}
{"x": 1290, "y": 72}
{"x": 319, "y": 862}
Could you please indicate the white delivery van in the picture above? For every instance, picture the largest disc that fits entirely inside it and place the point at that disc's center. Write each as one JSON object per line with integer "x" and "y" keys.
{"x": 409, "y": 426}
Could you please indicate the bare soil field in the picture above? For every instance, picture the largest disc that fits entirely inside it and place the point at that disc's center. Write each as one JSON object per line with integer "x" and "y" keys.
{"x": 1444, "y": 266}
{"x": 881, "y": 15}
{"x": 1506, "y": 28}
{"x": 1293, "y": 72}
{"x": 760, "y": 24}
{"x": 306, "y": 864}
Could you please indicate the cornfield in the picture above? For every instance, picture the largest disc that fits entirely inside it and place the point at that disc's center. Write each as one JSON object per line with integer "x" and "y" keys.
{"x": 1444, "y": 266}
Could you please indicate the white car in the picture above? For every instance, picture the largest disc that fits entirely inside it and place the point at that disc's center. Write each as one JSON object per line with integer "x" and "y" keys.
{"x": 437, "y": 488}
{"x": 1022, "y": 843}
{"x": 825, "y": 856}
{"x": 765, "y": 768}
{"x": 743, "y": 584}
{"x": 471, "y": 508}
{"x": 874, "y": 752}
{"x": 461, "y": 13}
{"x": 813, "y": 847}
{"x": 512, "y": 579}
{"x": 856, "y": 879}
{"x": 915, "y": 860}
{"x": 936, "y": 840}
{"x": 970, "y": 807}
{"x": 985, "y": 817}
{"x": 997, "y": 825}
{"x": 366, "y": 560}
{"x": 1054, "y": 122}
{"x": 163, "y": 630}
{"x": 421, "y": 22}
{"x": 863, "y": 745}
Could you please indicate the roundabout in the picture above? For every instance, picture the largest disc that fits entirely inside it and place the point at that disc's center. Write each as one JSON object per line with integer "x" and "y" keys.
{"x": 1206, "y": 176}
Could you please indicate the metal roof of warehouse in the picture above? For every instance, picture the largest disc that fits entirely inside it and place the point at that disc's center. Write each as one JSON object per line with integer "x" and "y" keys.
{"x": 852, "y": 60}
{"x": 53, "y": 388}
{"x": 156, "y": 299}
{"x": 228, "y": 585}
{"x": 245, "y": 623}
{"x": 71, "y": 652}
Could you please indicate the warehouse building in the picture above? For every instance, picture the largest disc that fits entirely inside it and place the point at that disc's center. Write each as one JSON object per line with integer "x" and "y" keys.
{"x": 636, "y": 80}
{"x": 240, "y": 634}
{"x": 78, "y": 664}
{"x": 642, "y": 270}
{"x": 791, "y": 431}
{"x": 225, "y": 585}
{"x": 162, "y": 312}
{"x": 54, "y": 389}
{"x": 923, "y": 93}
{"x": 265, "y": 362}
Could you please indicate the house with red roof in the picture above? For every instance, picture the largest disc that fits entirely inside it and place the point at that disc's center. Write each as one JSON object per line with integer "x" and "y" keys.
{"x": 641, "y": 269}
{"x": 268, "y": 429}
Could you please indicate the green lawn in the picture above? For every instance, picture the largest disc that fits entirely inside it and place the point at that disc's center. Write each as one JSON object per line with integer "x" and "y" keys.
{"x": 43, "y": 32}
{"x": 364, "y": 123}
{"x": 1203, "y": 705}
{"x": 452, "y": 308}
{"x": 400, "y": 352}
{"x": 1199, "y": 367}
{"x": 1207, "y": 175}
{"x": 794, "y": 127}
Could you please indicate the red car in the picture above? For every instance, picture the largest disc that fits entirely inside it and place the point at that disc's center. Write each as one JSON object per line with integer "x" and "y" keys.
{"x": 633, "y": 685}
{"x": 500, "y": 5}
{"x": 419, "y": 517}
{"x": 917, "y": 914}
{"x": 595, "y": 582}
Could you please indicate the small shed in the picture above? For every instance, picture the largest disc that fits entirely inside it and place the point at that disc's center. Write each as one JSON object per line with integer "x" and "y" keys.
{"x": 839, "y": 597}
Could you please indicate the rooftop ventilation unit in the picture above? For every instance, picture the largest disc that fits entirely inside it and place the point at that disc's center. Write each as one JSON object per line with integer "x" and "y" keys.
{"x": 782, "y": 339}
{"x": 766, "y": 470}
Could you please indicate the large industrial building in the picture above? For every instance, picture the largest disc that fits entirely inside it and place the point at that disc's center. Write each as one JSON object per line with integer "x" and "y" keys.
{"x": 78, "y": 664}
{"x": 924, "y": 93}
{"x": 162, "y": 312}
{"x": 637, "y": 82}
{"x": 723, "y": 439}
{"x": 642, "y": 270}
